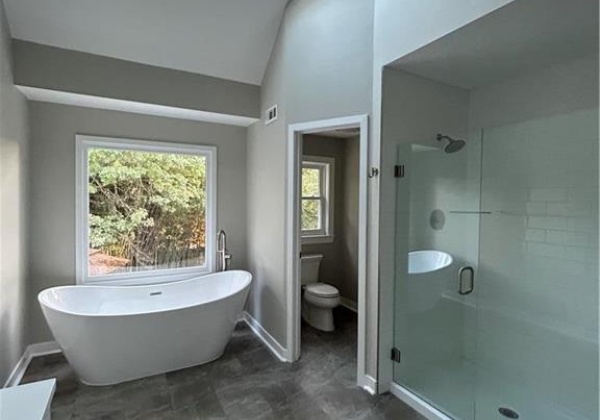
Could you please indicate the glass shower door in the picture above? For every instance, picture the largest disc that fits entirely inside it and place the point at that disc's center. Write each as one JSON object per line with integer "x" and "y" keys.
{"x": 437, "y": 237}
{"x": 517, "y": 211}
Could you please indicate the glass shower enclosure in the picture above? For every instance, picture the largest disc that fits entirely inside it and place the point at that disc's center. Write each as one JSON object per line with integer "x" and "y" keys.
{"x": 496, "y": 281}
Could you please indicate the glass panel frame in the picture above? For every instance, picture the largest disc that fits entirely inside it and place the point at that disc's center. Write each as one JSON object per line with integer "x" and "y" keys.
{"x": 318, "y": 229}
{"x": 325, "y": 166}
{"x": 433, "y": 322}
{"x": 86, "y": 143}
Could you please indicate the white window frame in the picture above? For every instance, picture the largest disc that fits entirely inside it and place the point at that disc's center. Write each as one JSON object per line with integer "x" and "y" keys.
{"x": 327, "y": 167}
{"x": 83, "y": 144}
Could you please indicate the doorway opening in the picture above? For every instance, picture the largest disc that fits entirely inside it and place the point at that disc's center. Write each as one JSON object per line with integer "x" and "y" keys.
{"x": 326, "y": 229}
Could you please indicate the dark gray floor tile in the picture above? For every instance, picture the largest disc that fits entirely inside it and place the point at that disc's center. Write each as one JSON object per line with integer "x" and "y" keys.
{"x": 208, "y": 406}
{"x": 299, "y": 407}
{"x": 249, "y": 406}
{"x": 246, "y": 383}
{"x": 62, "y": 413}
{"x": 389, "y": 407}
{"x": 339, "y": 401}
{"x": 167, "y": 413}
{"x": 185, "y": 394}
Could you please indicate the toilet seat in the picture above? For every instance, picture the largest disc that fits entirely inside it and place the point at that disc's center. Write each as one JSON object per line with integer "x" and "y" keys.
{"x": 322, "y": 290}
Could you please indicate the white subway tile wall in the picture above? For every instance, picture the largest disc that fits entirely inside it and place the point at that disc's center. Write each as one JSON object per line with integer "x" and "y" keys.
{"x": 538, "y": 273}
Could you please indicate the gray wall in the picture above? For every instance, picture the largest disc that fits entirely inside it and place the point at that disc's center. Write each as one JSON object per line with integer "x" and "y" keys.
{"x": 349, "y": 221}
{"x": 320, "y": 68}
{"x": 52, "y": 223}
{"x": 403, "y": 26}
{"x": 58, "y": 69}
{"x": 13, "y": 211}
{"x": 340, "y": 263}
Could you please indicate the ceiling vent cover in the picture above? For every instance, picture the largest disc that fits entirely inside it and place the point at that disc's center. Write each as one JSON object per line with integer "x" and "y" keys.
{"x": 271, "y": 115}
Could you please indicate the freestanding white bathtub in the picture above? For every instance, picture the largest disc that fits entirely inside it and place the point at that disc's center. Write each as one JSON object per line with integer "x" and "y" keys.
{"x": 112, "y": 334}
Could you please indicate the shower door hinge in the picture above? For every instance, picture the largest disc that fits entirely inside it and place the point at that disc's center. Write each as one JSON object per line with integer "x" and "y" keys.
{"x": 399, "y": 171}
{"x": 396, "y": 355}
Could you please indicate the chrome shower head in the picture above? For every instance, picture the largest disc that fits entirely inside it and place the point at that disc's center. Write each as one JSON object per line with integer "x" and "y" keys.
{"x": 454, "y": 145}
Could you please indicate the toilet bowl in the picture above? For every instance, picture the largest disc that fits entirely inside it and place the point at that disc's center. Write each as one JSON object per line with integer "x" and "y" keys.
{"x": 318, "y": 299}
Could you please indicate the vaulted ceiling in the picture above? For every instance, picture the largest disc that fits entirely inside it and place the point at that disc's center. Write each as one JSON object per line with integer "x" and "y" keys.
{"x": 230, "y": 39}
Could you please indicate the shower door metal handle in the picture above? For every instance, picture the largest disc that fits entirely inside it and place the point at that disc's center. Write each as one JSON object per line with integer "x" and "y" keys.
{"x": 466, "y": 280}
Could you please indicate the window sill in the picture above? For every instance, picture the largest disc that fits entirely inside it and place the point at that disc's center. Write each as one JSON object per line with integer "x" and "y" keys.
{"x": 146, "y": 279}
{"x": 317, "y": 239}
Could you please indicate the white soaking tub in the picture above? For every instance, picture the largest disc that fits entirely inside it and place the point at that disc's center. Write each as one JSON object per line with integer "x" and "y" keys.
{"x": 428, "y": 273}
{"x": 113, "y": 334}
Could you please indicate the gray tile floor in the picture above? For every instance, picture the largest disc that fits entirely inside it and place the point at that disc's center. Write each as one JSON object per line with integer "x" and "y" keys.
{"x": 246, "y": 383}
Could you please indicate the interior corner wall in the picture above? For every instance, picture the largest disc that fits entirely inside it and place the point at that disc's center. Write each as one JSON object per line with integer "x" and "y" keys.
{"x": 13, "y": 210}
{"x": 321, "y": 67}
{"x": 52, "y": 219}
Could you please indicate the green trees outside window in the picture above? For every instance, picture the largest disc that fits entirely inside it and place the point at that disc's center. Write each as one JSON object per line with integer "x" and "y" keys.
{"x": 311, "y": 199}
{"x": 147, "y": 210}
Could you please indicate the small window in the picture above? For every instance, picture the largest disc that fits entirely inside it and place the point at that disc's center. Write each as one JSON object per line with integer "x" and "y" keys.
{"x": 317, "y": 199}
{"x": 146, "y": 210}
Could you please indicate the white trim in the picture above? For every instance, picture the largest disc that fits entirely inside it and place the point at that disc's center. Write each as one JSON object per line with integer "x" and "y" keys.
{"x": 19, "y": 370}
{"x": 268, "y": 340}
{"x": 98, "y": 102}
{"x": 293, "y": 236}
{"x": 419, "y": 405}
{"x": 369, "y": 384}
{"x": 44, "y": 349}
{"x": 348, "y": 304}
{"x": 82, "y": 144}
{"x": 318, "y": 239}
{"x": 31, "y": 351}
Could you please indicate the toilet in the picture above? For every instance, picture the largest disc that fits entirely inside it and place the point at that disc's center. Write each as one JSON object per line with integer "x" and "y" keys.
{"x": 318, "y": 299}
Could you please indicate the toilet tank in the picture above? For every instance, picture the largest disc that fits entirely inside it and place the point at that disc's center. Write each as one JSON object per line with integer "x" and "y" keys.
{"x": 309, "y": 268}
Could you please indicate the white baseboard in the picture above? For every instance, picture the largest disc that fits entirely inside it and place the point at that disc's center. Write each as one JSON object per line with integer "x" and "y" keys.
{"x": 269, "y": 341}
{"x": 416, "y": 403}
{"x": 348, "y": 304}
{"x": 368, "y": 383}
{"x": 31, "y": 351}
{"x": 19, "y": 370}
{"x": 43, "y": 349}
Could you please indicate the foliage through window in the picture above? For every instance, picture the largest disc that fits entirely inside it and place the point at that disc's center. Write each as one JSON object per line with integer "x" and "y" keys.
{"x": 317, "y": 196}
{"x": 147, "y": 208}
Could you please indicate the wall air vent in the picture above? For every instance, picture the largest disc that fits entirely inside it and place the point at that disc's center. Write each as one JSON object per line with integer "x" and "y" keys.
{"x": 271, "y": 115}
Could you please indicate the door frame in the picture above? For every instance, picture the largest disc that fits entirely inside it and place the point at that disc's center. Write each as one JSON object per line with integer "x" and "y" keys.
{"x": 293, "y": 236}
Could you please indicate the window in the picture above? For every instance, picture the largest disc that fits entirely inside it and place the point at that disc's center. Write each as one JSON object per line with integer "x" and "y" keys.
{"x": 317, "y": 199}
{"x": 145, "y": 210}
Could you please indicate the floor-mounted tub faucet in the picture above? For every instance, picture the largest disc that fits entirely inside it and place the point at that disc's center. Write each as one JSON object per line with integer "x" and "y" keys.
{"x": 224, "y": 256}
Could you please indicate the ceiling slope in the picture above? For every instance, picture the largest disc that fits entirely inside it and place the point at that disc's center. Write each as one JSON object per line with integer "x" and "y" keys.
{"x": 230, "y": 39}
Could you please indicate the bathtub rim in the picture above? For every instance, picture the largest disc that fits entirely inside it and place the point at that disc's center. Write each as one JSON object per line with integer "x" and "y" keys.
{"x": 43, "y": 304}
{"x": 443, "y": 267}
